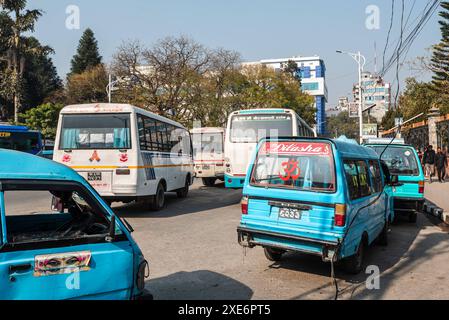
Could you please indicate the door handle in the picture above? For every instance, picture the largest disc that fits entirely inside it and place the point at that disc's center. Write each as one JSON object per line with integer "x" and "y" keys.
{"x": 19, "y": 268}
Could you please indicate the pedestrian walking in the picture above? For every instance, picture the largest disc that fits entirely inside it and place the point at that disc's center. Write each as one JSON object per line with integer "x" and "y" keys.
{"x": 440, "y": 164}
{"x": 429, "y": 162}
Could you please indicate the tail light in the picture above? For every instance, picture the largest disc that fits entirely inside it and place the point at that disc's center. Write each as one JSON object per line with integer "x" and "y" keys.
{"x": 421, "y": 187}
{"x": 340, "y": 215}
{"x": 244, "y": 204}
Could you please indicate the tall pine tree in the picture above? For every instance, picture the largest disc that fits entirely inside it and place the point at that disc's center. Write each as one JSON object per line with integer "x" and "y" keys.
{"x": 440, "y": 58}
{"x": 87, "y": 55}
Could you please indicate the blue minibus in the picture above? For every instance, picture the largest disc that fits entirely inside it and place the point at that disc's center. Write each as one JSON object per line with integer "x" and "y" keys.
{"x": 59, "y": 240}
{"x": 403, "y": 160}
{"x": 317, "y": 196}
{"x": 20, "y": 138}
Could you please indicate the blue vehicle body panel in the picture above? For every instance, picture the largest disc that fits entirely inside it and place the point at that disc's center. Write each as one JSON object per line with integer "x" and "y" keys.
{"x": 113, "y": 267}
{"x": 232, "y": 182}
{"x": 315, "y": 232}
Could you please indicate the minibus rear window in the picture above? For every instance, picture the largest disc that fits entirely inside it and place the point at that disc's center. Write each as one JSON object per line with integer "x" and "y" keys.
{"x": 207, "y": 143}
{"x": 400, "y": 160}
{"x": 96, "y": 131}
{"x": 305, "y": 166}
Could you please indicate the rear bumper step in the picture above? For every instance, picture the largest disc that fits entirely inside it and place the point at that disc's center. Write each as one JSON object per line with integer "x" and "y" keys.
{"x": 246, "y": 239}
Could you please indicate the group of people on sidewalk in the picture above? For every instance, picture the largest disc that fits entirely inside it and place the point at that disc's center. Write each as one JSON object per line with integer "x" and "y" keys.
{"x": 435, "y": 163}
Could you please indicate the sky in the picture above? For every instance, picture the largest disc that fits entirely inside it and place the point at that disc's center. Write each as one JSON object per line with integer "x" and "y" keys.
{"x": 257, "y": 29}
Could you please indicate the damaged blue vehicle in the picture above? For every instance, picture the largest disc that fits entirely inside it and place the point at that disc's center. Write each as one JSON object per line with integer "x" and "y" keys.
{"x": 68, "y": 244}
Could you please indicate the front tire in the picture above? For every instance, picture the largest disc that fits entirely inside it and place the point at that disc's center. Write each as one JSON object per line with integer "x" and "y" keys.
{"x": 158, "y": 202}
{"x": 273, "y": 254}
{"x": 354, "y": 264}
{"x": 383, "y": 237}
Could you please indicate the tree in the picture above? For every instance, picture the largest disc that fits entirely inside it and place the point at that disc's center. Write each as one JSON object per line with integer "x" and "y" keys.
{"x": 87, "y": 87}
{"x": 440, "y": 58}
{"x": 87, "y": 55}
{"x": 388, "y": 121}
{"x": 343, "y": 125}
{"x": 15, "y": 20}
{"x": 43, "y": 118}
{"x": 291, "y": 67}
{"x": 418, "y": 97}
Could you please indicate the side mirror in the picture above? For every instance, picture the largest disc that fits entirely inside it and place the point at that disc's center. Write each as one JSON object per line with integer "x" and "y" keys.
{"x": 394, "y": 181}
{"x": 111, "y": 234}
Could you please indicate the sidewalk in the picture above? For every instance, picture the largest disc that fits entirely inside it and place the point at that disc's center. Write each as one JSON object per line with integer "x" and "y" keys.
{"x": 438, "y": 193}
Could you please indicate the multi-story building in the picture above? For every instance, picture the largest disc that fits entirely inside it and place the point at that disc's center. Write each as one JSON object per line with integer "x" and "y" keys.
{"x": 312, "y": 71}
{"x": 343, "y": 104}
{"x": 375, "y": 91}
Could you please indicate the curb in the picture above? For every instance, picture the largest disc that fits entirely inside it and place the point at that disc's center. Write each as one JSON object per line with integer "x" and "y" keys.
{"x": 437, "y": 212}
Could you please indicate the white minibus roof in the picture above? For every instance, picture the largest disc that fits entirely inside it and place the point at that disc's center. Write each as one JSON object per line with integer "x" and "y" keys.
{"x": 208, "y": 130}
{"x": 95, "y": 108}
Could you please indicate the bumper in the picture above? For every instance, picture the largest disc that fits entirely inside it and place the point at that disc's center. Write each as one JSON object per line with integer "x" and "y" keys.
{"x": 251, "y": 238}
{"x": 408, "y": 205}
{"x": 234, "y": 182}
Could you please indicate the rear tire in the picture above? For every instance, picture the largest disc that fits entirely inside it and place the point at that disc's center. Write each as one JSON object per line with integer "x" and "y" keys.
{"x": 354, "y": 264}
{"x": 273, "y": 255}
{"x": 158, "y": 201}
{"x": 413, "y": 217}
{"x": 209, "y": 182}
{"x": 182, "y": 193}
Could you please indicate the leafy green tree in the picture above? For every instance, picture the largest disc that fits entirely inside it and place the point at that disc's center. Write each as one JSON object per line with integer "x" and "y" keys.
{"x": 87, "y": 55}
{"x": 43, "y": 118}
{"x": 87, "y": 87}
{"x": 343, "y": 125}
{"x": 15, "y": 21}
{"x": 440, "y": 59}
{"x": 418, "y": 97}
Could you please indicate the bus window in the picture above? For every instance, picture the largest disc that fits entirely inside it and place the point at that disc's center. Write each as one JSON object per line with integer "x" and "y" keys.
{"x": 252, "y": 128}
{"x": 97, "y": 131}
{"x": 28, "y": 142}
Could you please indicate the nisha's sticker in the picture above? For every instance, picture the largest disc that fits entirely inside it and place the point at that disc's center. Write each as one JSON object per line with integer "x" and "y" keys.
{"x": 407, "y": 153}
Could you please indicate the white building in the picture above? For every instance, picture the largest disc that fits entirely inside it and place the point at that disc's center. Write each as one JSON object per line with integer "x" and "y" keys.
{"x": 312, "y": 71}
{"x": 374, "y": 91}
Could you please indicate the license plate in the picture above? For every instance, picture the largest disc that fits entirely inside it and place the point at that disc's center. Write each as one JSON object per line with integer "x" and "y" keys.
{"x": 288, "y": 213}
{"x": 94, "y": 176}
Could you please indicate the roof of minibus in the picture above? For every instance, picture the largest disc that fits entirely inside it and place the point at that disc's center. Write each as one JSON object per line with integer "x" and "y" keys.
{"x": 262, "y": 111}
{"x": 346, "y": 148}
{"x": 12, "y": 128}
{"x": 114, "y": 108}
{"x": 19, "y": 165}
{"x": 207, "y": 130}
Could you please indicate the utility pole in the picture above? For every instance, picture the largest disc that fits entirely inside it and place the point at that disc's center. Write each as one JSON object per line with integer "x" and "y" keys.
{"x": 361, "y": 61}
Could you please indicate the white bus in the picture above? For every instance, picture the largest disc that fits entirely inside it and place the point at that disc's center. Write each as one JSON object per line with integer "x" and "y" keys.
{"x": 208, "y": 154}
{"x": 246, "y": 128}
{"x": 126, "y": 153}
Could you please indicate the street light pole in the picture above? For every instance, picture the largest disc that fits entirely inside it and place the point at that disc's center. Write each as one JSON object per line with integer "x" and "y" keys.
{"x": 361, "y": 61}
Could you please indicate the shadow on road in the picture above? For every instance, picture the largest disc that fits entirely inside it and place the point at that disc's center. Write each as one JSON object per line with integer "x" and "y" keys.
{"x": 198, "y": 285}
{"x": 401, "y": 238}
{"x": 199, "y": 199}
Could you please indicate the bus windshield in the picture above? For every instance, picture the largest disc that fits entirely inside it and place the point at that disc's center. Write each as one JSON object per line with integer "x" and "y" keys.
{"x": 207, "y": 143}
{"x": 28, "y": 142}
{"x": 95, "y": 131}
{"x": 301, "y": 166}
{"x": 400, "y": 160}
{"x": 252, "y": 128}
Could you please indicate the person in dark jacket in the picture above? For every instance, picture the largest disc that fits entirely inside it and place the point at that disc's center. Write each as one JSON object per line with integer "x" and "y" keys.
{"x": 440, "y": 164}
{"x": 429, "y": 162}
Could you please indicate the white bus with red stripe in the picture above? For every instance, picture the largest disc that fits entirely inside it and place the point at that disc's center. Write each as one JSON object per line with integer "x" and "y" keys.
{"x": 208, "y": 154}
{"x": 126, "y": 153}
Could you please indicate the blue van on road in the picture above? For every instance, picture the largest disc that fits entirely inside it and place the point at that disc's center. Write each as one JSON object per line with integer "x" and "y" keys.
{"x": 317, "y": 196}
{"x": 65, "y": 243}
{"x": 403, "y": 161}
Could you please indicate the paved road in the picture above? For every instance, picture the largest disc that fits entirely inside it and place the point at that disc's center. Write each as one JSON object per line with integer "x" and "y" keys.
{"x": 193, "y": 253}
